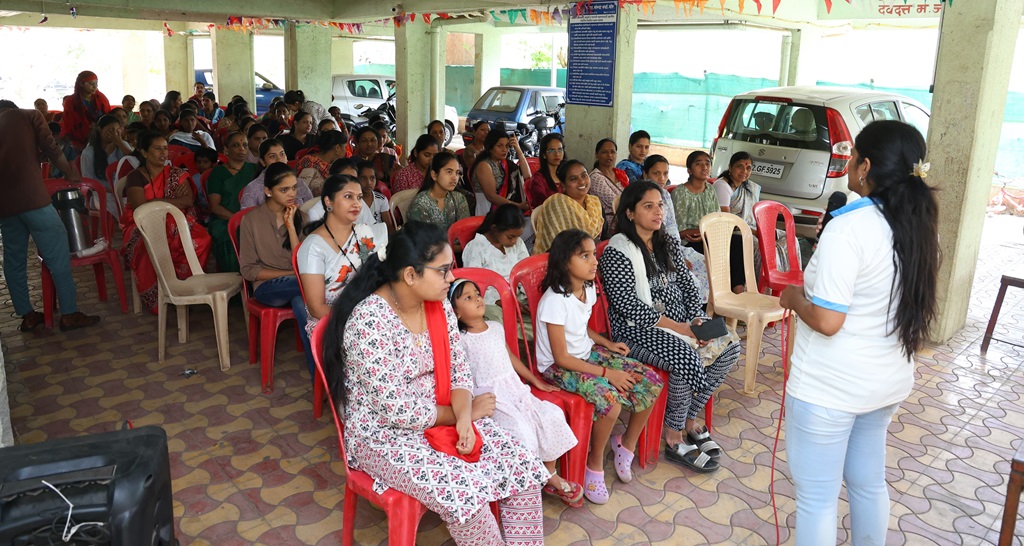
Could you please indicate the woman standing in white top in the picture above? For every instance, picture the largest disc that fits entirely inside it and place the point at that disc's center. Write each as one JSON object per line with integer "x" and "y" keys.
{"x": 868, "y": 300}
{"x": 335, "y": 247}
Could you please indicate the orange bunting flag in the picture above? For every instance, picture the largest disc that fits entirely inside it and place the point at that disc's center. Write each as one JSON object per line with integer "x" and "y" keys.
{"x": 775, "y": 5}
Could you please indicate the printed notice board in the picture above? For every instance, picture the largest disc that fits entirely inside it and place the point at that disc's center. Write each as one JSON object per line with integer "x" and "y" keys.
{"x": 590, "y": 76}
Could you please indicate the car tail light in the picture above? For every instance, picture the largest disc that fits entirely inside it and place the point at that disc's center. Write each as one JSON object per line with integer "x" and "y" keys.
{"x": 721, "y": 129}
{"x": 842, "y": 144}
{"x": 777, "y": 100}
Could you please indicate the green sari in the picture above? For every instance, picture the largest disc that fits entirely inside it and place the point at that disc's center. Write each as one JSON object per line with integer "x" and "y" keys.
{"x": 227, "y": 186}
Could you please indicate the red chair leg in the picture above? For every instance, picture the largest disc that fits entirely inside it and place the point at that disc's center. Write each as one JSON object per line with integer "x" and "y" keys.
{"x": 254, "y": 335}
{"x": 649, "y": 444}
{"x": 709, "y": 412}
{"x": 298, "y": 338}
{"x": 348, "y": 518}
{"x": 318, "y": 396}
{"x": 268, "y": 344}
{"x": 404, "y": 517}
{"x": 49, "y": 297}
{"x": 575, "y": 461}
{"x": 101, "y": 281}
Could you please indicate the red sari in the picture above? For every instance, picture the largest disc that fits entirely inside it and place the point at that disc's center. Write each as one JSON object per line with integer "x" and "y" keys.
{"x": 164, "y": 186}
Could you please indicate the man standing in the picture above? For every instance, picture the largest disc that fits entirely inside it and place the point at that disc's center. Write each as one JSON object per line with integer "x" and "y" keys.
{"x": 25, "y": 210}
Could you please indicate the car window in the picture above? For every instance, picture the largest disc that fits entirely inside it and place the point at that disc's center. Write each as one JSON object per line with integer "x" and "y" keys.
{"x": 864, "y": 114}
{"x": 552, "y": 102}
{"x": 499, "y": 100}
{"x": 364, "y": 88}
{"x": 884, "y": 110}
{"x": 535, "y": 104}
{"x": 916, "y": 117}
{"x": 778, "y": 123}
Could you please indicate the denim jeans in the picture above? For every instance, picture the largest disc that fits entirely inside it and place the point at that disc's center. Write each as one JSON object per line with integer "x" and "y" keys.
{"x": 51, "y": 240}
{"x": 284, "y": 291}
{"x": 826, "y": 447}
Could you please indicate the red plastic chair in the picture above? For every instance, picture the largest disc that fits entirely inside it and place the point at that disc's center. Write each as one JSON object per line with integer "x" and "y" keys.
{"x": 318, "y": 387}
{"x": 766, "y": 214}
{"x": 204, "y": 180}
{"x": 187, "y": 162}
{"x": 174, "y": 152}
{"x": 110, "y": 256}
{"x": 44, "y": 167}
{"x": 264, "y": 320}
{"x": 579, "y": 413}
{"x": 403, "y": 512}
{"x": 534, "y": 163}
{"x": 112, "y": 174}
{"x": 528, "y": 275}
{"x": 463, "y": 232}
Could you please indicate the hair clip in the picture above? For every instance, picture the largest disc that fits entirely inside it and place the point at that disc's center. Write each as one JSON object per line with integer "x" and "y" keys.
{"x": 921, "y": 169}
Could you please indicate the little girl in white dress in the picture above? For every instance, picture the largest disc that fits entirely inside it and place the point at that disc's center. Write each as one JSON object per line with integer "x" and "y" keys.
{"x": 539, "y": 425}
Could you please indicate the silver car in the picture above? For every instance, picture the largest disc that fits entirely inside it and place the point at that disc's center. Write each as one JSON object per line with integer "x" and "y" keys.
{"x": 801, "y": 138}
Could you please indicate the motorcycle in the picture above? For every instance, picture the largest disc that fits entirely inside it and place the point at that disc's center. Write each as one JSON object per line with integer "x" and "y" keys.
{"x": 384, "y": 113}
{"x": 545, "y": 123}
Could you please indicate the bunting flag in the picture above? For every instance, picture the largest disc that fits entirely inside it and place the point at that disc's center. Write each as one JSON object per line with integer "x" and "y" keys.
{"x": 512, "y": 16}
{"x": 557, "y": 16}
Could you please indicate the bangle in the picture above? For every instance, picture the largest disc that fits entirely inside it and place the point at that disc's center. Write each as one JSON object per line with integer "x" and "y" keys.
{"x": 603, "y": 371}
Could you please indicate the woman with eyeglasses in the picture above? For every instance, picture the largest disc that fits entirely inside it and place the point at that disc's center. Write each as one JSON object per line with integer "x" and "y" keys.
{"x": 396, "y": 367}
{"x": 545, "y": 182}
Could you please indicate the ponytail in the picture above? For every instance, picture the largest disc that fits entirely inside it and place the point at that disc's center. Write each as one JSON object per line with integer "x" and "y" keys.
{"x": 909, "y": 206}
{"x": 415, "y": 245}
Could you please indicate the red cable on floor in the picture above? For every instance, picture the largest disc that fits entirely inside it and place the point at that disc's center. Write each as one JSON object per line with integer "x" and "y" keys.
{"x": 785, "y": 333}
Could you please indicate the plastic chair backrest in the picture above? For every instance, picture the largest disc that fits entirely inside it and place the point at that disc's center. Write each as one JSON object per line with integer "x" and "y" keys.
{"x": 717, "y": 229}
{"x": 316, "y": 342}
{"x": 187, "y": 162}
{"x": 151, "y": 220}
{"x": 766, "y": 214}
{"x": 119, "y": 198}
{"x": 510, "y": 314}
{"x": 527, "y": 275}
{"x": 233, "y": 224}
{"x": 463, "y": 231}
{"x": 400, "y": 204}
{"x": 87, "y": 187}
{"x": 44, "y": 167}
{"x": 600, "y": 248}
{"x": 78, "y": 164}
{"x": 174, "y": 152}
{"x": 295, "y": 268}
{"x": 203, "y": 180}
{"x": 112, "y": 173}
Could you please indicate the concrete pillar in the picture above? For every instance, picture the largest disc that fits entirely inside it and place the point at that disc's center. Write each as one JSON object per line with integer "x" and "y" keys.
{"x": 438, "y": 61}
{"x": 234, "y": 71}
{"x": 967, "y": 114}
{"x": 342, "y": 56}
{"x": 586, "y": 125}
{"x": 412, "y": 71}
{"x": 307, "y": 61}
{"x": 133, "y": 55}
{"x": 176, "y": 64}
{"x": 487, "y": 61}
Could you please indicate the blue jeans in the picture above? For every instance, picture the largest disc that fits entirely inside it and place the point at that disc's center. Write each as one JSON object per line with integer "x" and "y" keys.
{"x": 51, "y": 240}
{"x": 826, "y": 447}
{"x": 284, "y": 291}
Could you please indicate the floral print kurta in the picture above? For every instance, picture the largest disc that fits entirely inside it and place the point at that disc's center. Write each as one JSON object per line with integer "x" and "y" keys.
{"x": 391, "y": 402}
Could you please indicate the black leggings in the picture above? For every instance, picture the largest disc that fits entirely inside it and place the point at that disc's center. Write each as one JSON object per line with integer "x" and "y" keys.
{"x": 737, "y": 276}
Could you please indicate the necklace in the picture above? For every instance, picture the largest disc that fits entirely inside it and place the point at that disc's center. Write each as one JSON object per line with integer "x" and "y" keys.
{"x": 401, "y": 312}
{"x": 342, "y": 249}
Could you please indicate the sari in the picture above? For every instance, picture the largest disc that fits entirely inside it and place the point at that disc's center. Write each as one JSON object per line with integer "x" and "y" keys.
{"x": 164, "y": 186}
{"x": 228, "y": 186}
{"x": 561, "y": 212}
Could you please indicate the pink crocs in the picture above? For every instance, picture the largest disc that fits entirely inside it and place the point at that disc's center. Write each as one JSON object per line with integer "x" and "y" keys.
{"x": 594, "y": 487}
{"x": 623, "y": 460}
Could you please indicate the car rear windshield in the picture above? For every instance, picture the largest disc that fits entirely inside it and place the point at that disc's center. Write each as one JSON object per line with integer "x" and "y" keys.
{"x": 499, "y": 100}
{"x": 778, "y": 123}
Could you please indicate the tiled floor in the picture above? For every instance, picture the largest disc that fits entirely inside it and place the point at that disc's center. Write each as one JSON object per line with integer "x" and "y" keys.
{"x": 254, "y": 468}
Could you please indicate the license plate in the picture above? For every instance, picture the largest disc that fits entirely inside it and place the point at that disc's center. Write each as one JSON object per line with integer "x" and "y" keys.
{"x": 771, "y": 170}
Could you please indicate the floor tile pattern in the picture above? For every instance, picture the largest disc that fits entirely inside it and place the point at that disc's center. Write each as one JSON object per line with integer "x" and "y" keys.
{"x": 253, "y": 468}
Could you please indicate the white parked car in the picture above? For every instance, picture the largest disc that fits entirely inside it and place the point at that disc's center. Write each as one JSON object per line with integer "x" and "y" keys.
{"x": 801, "y": 138}
{"x": 354, "y": 93}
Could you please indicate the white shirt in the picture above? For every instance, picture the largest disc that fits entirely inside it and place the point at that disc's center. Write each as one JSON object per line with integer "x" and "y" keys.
{"x": 568, "y": 311}
{"x": 373, "y": 214}
{"x": 724, "y": 192}
{"x": 187, "y": 138}
{"x": 479, "y": 252}
{"x": 862, "y": 367}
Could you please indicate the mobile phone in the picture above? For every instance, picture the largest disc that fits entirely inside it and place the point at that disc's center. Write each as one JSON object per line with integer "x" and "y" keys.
{"x": 710, "y": 329}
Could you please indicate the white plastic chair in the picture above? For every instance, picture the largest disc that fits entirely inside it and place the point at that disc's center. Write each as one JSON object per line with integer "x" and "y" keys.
{"x": 756, "y": 309}
{"x": 400, "y": 203}
{"x": 213, "y": 289}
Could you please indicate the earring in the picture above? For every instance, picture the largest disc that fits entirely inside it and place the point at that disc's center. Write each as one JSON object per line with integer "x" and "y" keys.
{"x": 330, "y": 208}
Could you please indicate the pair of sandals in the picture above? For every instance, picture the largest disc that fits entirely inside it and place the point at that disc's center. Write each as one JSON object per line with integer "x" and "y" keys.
{"x": 698, "y": 453}
{"x": 595, "y": 488}
{"x": 570, "y": 493}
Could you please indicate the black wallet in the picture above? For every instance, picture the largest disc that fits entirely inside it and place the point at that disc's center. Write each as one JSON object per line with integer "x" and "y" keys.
{"x": 710, "y": 329}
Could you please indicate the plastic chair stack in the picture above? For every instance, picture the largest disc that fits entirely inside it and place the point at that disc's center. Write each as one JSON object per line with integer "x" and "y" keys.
{"x": 756, "y": 309}
{"x": 213, "y": 289}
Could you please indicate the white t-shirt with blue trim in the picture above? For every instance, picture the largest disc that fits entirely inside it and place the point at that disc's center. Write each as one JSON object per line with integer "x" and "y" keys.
{"x": 862, "y": 367}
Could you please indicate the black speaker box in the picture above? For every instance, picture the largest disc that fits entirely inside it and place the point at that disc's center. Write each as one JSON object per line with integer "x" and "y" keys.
{"x": 119, "y": 483}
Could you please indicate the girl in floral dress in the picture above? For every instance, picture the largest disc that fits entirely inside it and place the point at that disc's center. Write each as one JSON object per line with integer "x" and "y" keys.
{"x": 538, "y": 424}
{"x": 395, "y": 364}
{"x": 572, "y": 356}
{"x": 335, "y": 247}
